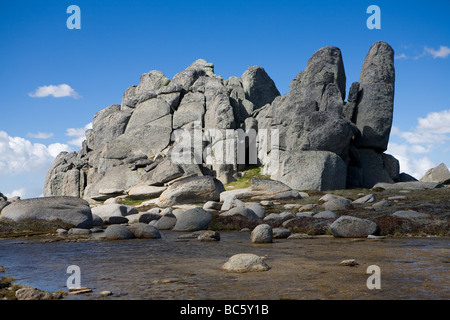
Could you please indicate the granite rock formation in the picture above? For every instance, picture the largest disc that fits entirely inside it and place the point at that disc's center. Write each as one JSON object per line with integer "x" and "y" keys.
{"x": 324, "y": 141}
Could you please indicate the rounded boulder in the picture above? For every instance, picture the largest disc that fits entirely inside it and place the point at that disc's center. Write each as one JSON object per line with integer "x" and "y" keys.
{"x": 193, "y": 219}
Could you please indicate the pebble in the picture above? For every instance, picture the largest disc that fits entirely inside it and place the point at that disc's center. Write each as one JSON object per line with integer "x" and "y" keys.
{"x": 398, "y": 198}
{"x": 80, "y": 290}
{"x": 349, "y": 262}
{"x": 301, "y": 236}
{"x": 105, "y": 293}
{"x": 381, "y": 204}
{"x": 371, "y": 236}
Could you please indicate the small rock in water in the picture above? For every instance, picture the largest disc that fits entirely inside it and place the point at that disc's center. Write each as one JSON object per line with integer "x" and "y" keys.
{"x": 245, "y": 262}
{"x": 61, "y": 231}
{"x": 371, "y": 236}
{"x": 281, "y": 233}
{"x": 79, "y": 290}
{"x": 349, "y": 262}
{"x": 105, "y": 293}
{"x": 300, "y": 236}
{"x": 398, "y": 198}
{"x": 262, "y": 233}
{"x": 209, "y": 236}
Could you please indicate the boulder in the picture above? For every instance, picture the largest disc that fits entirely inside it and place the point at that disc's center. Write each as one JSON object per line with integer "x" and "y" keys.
{"x": 192, "y": 190}
{"x": 97, "y": 221}
{"x": 365, "y": 199}
{"x": 212, "y": 205}
{"x": 439, "y": 174}
{"x": 410, "y": 214}
{"x": 116, "y": 220}
{"x": 312, "y": 170}
{"x": 352, "y": 227}
{"x": 258, "y": 87}
{"x": 145, "y": 192}
{"x": 108, "y": 124}
{"x": 410, "y": 185}
{"x": 325, "y": 215}
{"x": 165, "y": 171}
{"x": 193, "y": 220}
{"x": 144, "y": 230}
{"x": 166, "y": 222}
{"x": 243, "y": 211}
{"x": 376, "y": 98}
{"x": 338, "y": 204}
{"x": 245, "y": 262}
{"x": 113, "y": 210}
{"x": 373, "y": 168}
{"x": 281, "y": 233}
{"x": 257, "y": 209}
{"x": 262, "y": 234}
{"x": 118, "y": 232}
{"x": 71, "y": 210}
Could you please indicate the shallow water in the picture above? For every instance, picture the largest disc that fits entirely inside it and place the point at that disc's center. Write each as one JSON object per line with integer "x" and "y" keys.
{"x": 167, "y": 268}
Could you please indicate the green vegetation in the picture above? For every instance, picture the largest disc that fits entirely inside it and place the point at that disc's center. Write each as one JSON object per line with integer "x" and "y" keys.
{"x": 131, "y": 202}
{"x": 8, "y": 289}
{"x": 246, "y": 180}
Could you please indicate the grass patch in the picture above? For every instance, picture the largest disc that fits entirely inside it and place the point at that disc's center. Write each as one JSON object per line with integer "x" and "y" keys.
{"x": 246, "y": 180}
{"x": 11, "y": 229}
{"x": 131, "y": 202}
{"x": 8, "y": 289}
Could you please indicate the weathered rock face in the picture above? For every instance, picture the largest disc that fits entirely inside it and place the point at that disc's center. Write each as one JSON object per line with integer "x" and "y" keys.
{"x": 439, "y": 174}
{"x": 127, "y": 142}
{"x": 324, "y": 141}
{"x": 375, "y": 105}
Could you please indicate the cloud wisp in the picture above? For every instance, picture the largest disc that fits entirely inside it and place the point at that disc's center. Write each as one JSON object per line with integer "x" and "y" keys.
{"x": 40, "y": 135}
{"x": 414, "y": 148}
{"x": 78, "y": 134}
{"x": 443, "y": 52}
{"x": 59, "y": 91}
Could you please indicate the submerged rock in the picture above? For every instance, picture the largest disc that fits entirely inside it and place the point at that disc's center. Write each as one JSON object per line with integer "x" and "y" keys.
{"x": 245, "y": 262}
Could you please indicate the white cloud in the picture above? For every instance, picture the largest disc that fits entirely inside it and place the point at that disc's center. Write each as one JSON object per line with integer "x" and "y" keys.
{"x": 56, "y": 148}
{"x": 442, "y": 52}
{"x": 59, "y": 91}
{"x": 19, "y": 155}
{"x": 433, "y": 129}
{"x": 17, "y": 193}
{"x": 409, "y": 161}
{"x": 431, "y": 136}
{"x": 435, "y": 122}
{"x": 40, "y": 135}
{"x": 401, "y": 56}
{"x": 78, "y": 134}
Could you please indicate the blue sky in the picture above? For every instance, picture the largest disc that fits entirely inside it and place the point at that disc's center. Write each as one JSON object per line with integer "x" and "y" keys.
{"x": 90, "y": 68}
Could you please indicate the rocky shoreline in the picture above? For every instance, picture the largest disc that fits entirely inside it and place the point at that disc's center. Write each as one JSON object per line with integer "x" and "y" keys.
{"x": 412, "y": 210}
